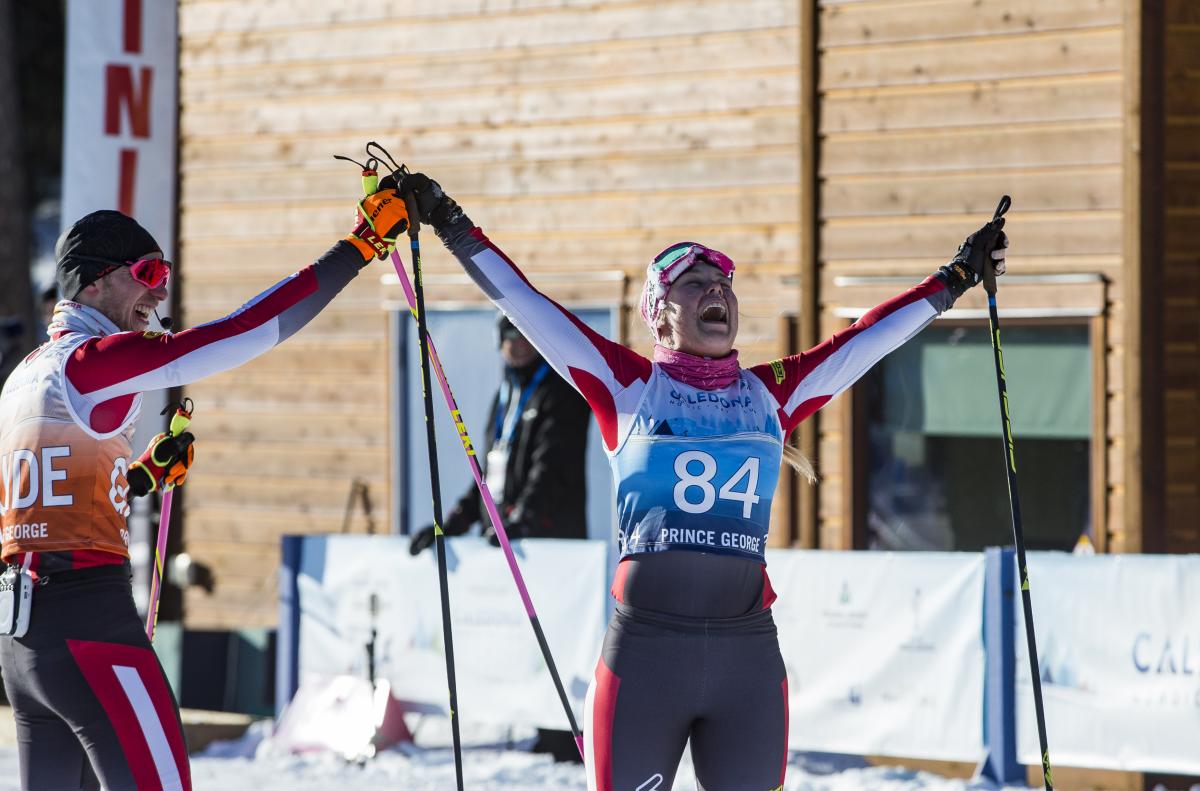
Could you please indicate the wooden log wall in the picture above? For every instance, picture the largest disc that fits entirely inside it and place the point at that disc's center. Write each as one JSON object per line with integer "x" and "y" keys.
{"x": 583, "y": 135}
{"x": 1181, "y": 276}
{"x": 929, "y": 111}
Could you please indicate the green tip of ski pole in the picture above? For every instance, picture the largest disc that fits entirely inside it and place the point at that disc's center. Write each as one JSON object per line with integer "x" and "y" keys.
{"x": 179, "y": 424}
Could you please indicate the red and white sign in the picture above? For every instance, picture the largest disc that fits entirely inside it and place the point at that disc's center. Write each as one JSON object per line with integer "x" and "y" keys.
{"x": 119, "y": 142}
{"x": 119, "y": 129}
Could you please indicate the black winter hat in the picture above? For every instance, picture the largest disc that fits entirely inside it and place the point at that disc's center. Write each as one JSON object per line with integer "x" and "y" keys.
{"x": 506, "y": 329}
{"x": 97, "y": 242}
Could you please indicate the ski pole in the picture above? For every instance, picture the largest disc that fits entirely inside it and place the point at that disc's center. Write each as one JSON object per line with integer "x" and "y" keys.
{"x": 414, "y": 224}
{"x": 493, "y": 513}
{"x": 416, "y": 307}
{"x": 1010, "y": 464}
{"x": 179, "y": 424}
{"x": 160, "y": 551}
{"x": 468, "y": 448}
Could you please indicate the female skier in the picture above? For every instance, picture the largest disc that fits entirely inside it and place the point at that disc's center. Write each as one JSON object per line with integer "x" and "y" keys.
{"x": 695, "y": 443}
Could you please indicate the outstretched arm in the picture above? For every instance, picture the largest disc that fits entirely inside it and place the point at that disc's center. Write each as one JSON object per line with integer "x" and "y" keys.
{"x": 805, "y": 382}
{"x": 135, "y": 362}
{"x": 610, "y": 376}
{"x": 104, "y": 374}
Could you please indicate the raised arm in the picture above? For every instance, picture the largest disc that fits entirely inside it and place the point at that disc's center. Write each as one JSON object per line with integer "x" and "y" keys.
{"x": 105, "y": 373}
{"x": 608, "y": 375}
{"x": 135, "y": 362}
{"x": 805, "y": 382}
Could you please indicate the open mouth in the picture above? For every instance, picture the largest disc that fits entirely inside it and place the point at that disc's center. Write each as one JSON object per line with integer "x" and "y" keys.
{"x": 714, "y": 313}
{"x": 143, "y": 312}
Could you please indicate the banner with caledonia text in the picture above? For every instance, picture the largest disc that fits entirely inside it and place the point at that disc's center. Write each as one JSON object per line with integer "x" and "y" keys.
{"x": 501, "y": 675}
{"x": 884, "y": 651}
{"x": 1119, "y": 652}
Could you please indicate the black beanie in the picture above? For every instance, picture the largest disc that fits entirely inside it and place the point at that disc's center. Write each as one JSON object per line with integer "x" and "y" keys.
{"x": 506, "y": 329}
{"x": 95, "y": 243}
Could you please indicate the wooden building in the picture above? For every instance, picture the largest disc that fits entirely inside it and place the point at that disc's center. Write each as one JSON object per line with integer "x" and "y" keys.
{"x": 838, "y": 150}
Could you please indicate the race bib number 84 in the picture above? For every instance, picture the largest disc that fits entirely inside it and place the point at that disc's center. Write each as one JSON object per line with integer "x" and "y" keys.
{"x": 696, "y": 493}
{"x": 712, "y": 493}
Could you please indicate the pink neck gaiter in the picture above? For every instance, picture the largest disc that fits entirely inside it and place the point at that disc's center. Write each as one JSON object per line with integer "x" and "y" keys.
{"x": 701, "y": 372}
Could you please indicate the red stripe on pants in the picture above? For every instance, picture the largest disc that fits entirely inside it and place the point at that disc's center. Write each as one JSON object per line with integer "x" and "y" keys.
{"x": 97, "y": 661}
{"x": 604, "y": 708}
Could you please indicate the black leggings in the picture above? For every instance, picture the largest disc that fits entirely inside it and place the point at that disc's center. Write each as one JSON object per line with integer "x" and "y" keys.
{"x": 88, "y": 694}
{"x": 664, "y": 679}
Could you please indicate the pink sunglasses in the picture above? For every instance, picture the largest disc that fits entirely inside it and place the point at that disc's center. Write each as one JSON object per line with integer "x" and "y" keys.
{"x": 150, "y": 272}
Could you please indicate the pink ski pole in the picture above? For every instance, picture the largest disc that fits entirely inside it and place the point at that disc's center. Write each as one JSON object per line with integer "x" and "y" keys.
{"x": 490, "y": 505}
{"x": 160, "y": 552}
{"x": 179, "y": 424}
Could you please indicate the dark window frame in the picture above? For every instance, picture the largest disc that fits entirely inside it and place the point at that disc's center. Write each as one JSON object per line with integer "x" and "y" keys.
{"x": 854, "y": 427}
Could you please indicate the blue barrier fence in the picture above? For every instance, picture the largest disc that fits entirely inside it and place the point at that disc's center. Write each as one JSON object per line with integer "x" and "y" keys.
{"x": 999, "y": 704}
{"x": 287, "y": 651}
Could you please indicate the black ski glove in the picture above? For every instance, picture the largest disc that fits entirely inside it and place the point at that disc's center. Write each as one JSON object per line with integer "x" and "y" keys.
{"x": 163, "y": 464}
{"x": 985, "y": 247}
{"x": 434, "y": 206}
{"x": 424, "y": 538}
{"x": 421, "y": 540}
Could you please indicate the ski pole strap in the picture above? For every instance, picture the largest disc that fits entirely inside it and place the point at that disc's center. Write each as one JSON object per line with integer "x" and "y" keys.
{"x": 989, "y": 270}
{"x": 182, "y": 417}
{"x": 370, "y": 173}
{"x": 1002, "y": 207}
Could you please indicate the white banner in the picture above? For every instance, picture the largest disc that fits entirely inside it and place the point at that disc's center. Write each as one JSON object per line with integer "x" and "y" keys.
{"x": 119, "y": 129}
{"x": 1119, "y": 644}
{"x": 884, "y": 651}
{"x": 501, "y": 675}
{"x": 119, "y": 146}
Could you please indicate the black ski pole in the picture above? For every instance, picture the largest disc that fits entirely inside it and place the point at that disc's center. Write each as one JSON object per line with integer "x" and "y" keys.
{"x": 489, "y": 504}
{"x": 1010, "y": 464}
{"x": 414, "y": 224}
{"x": 378, "y": 154}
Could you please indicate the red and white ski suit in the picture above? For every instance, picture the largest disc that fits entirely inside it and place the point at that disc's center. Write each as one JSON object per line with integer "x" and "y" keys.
{"x": 87, "y": 690}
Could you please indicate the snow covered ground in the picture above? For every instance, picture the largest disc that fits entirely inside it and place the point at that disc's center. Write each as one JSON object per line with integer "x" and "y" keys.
{"x": 500, "y": 769}
{"x": 488, "y": 764}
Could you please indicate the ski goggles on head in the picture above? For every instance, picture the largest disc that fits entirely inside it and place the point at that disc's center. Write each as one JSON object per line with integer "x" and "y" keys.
{"x": 150, "y": 272}
{"x": 666, "y": 268}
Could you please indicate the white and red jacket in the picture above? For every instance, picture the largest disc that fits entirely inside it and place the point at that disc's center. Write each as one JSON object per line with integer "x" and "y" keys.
{"x": 67, "y": 412}
{"x": 694, "y": 469}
